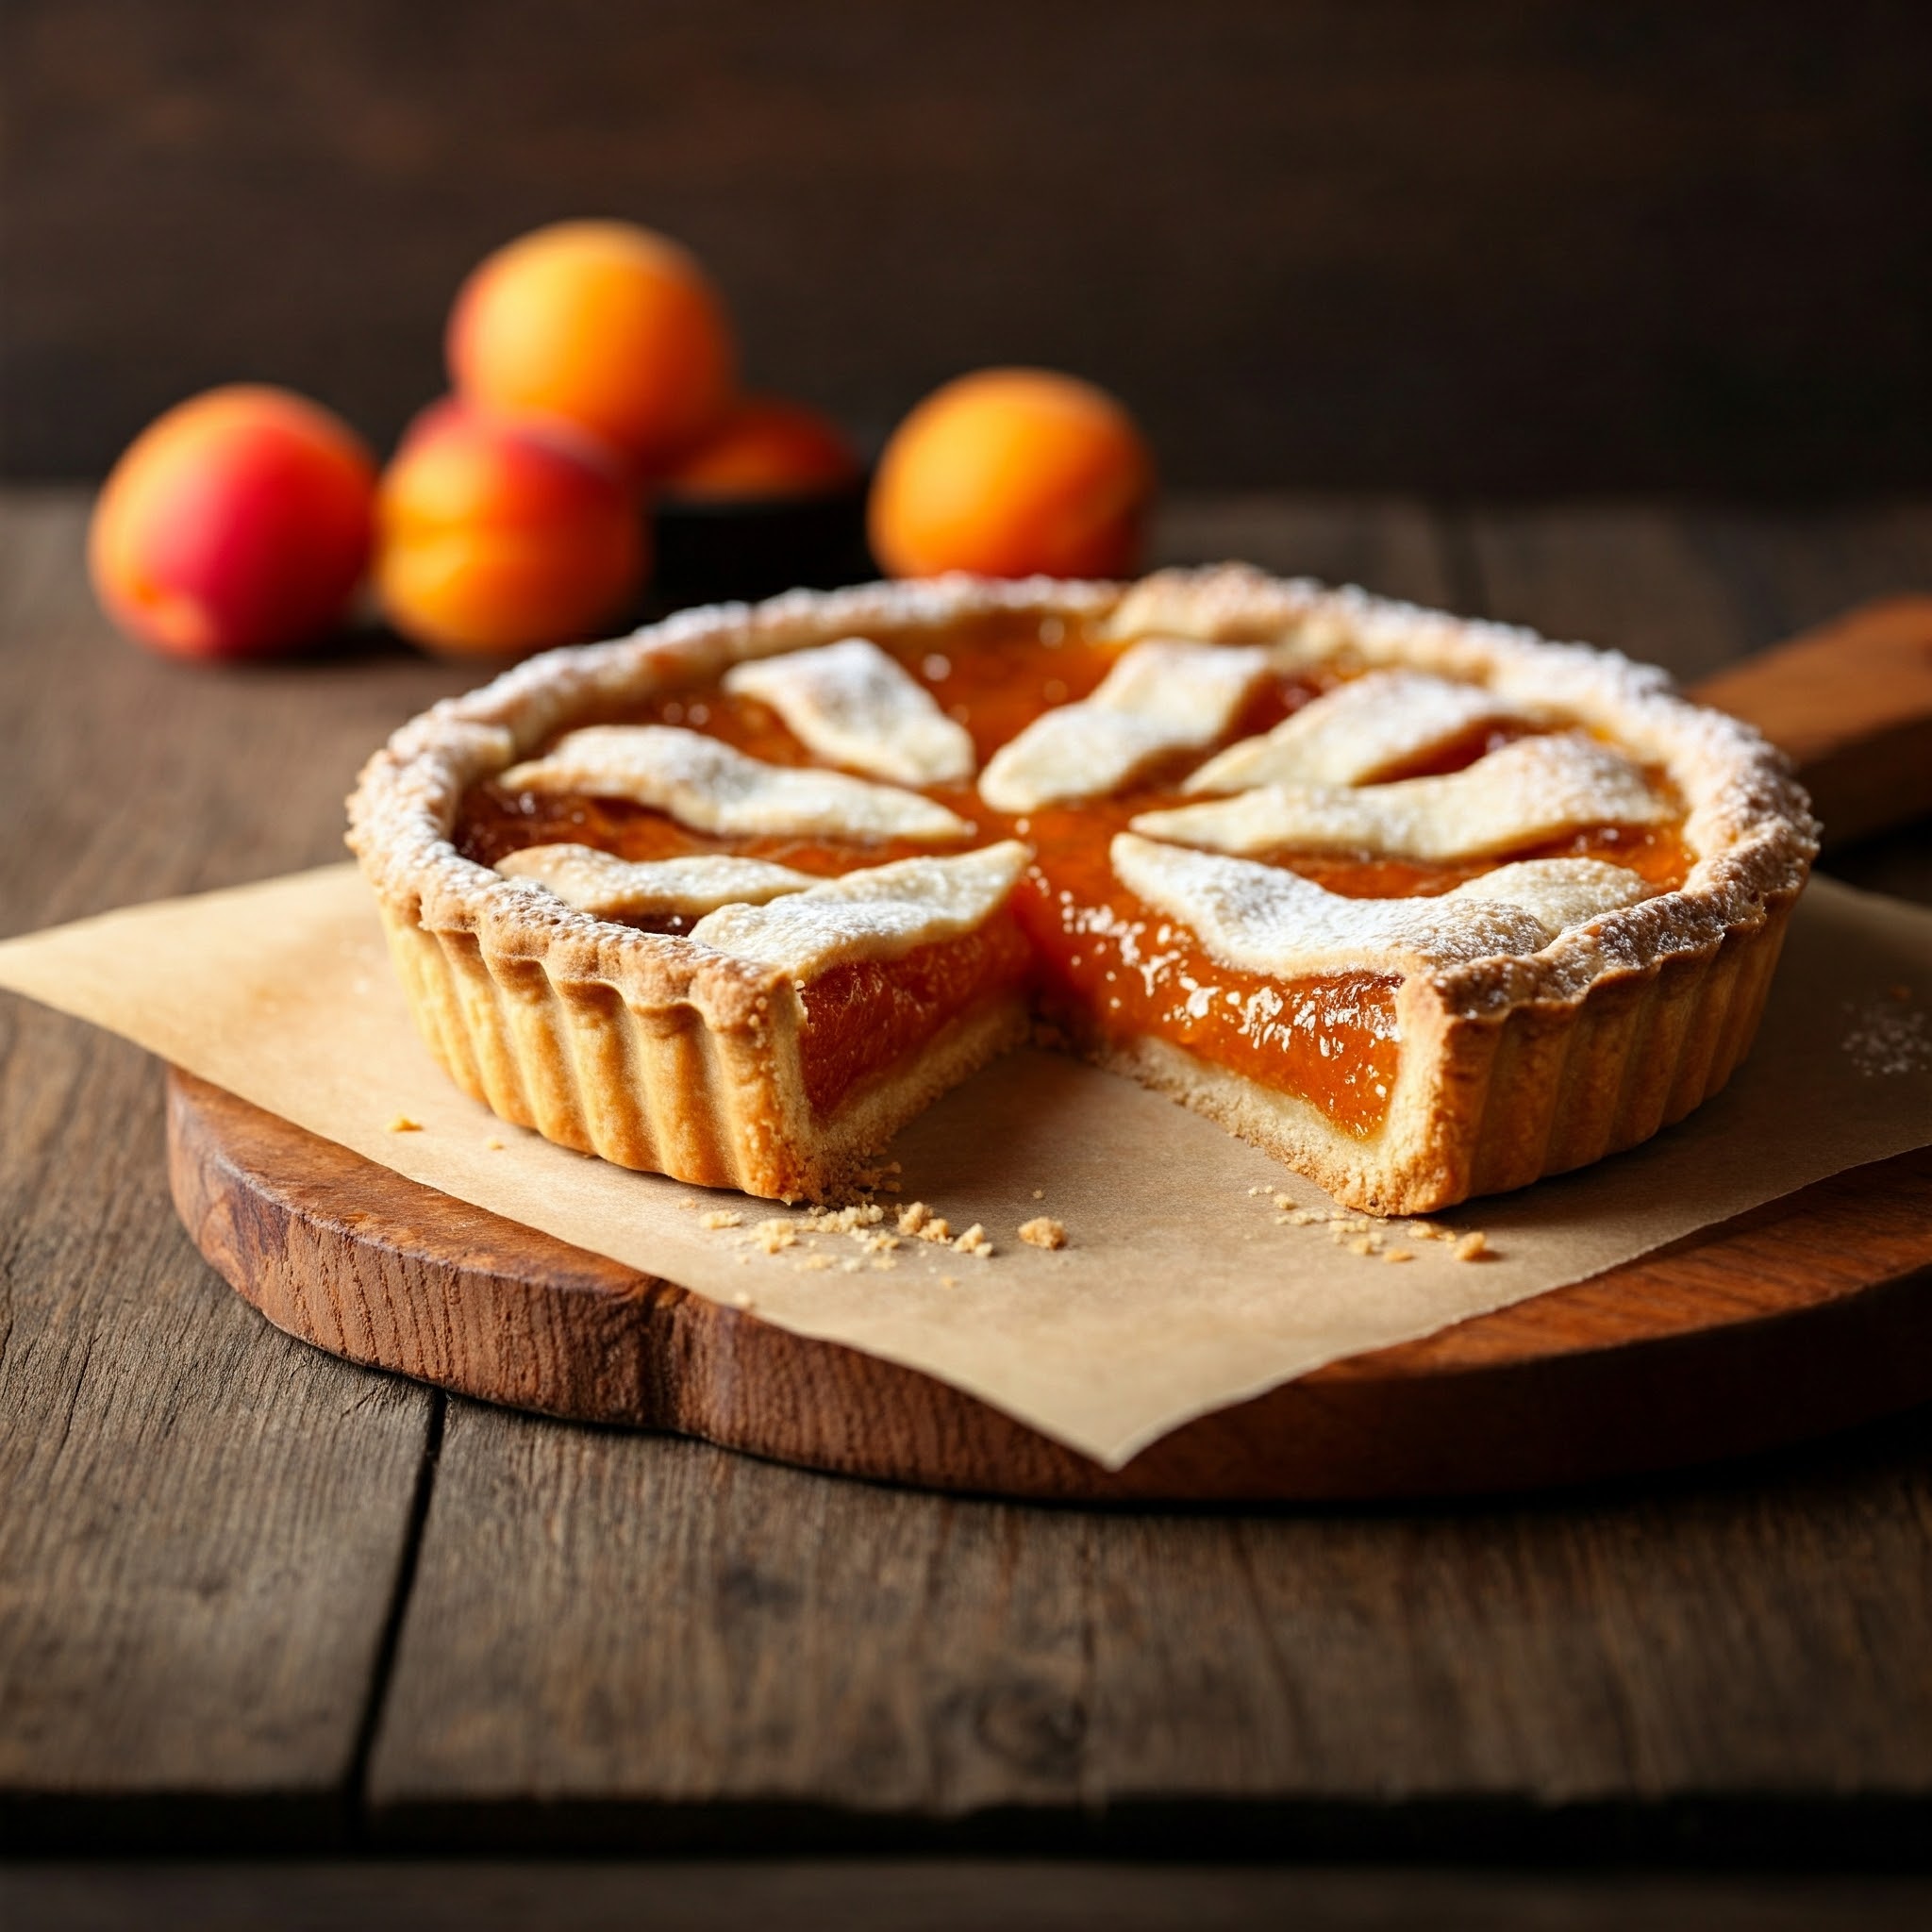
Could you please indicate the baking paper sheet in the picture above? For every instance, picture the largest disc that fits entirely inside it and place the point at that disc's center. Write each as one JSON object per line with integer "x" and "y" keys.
{"x": 1183, "y": 1287}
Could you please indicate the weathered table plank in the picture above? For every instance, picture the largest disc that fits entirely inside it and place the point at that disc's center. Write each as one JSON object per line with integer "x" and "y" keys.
{"x": 201, "y": 1522}
{"x": 936, "y": 1896}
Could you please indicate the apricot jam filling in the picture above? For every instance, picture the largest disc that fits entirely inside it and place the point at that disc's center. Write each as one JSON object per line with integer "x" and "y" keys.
{"x": 860, "y": 1018}
{"x": 1096, "y": 956}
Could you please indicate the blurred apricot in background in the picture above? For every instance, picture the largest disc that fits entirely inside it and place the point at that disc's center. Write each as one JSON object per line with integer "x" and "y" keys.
{"x": 766, "y": 448}
{"x": 498, "y": 534}
{"x": 1011, "y": 471}
{"x": 237, "y": 524}
{"x": 609, "y": 325}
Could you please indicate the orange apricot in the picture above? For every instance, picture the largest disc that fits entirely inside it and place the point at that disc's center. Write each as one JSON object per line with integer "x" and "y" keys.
{"x": 1008, "y": 472}
{"x": 609, "y": 325}
{"x": 237, "y": 524}
{"x": 768, "y": 447}
{"x": 498, "y": 534}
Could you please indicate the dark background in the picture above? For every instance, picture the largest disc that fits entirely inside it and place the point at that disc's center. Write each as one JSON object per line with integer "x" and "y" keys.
{"x": 1479, "y": 247}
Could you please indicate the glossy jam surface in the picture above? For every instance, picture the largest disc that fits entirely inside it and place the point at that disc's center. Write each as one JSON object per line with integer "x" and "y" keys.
{"x": 1097, "y": 955}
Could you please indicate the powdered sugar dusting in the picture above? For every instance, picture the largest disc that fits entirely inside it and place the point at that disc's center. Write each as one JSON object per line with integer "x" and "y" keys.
{"x": 853, "y": 704}
{"x": 1533, "y": 789}
{"x": 714, "y": 787}
{"x": 1161, "y": 696}
{"x": 1888, "y": 1036}
{"x": 878, "y": 912}
{"x": 600, "y": 883}
{"x": 1263, "y": 919}
{"x": 1349, "y": 735}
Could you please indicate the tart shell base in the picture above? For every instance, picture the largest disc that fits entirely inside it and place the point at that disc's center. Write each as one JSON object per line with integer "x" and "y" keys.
{"x": 660, "y": 1092}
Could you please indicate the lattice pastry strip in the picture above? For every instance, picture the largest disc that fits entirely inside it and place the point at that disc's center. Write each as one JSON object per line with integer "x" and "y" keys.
{"x": 851, "y": 704}
{"x": 1264, "y": 918}
{"x": 607, "y": 887}
{"x": 880, "y": 913}
{"x": 1353, "y": 734}
{"x": 712, "y": 787}
{"x": 1529, "y": 792}
{"x": 1161, "y": 696}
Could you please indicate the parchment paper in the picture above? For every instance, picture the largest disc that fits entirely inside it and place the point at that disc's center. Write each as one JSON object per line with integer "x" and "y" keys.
{"x": 1182, "y": 1288}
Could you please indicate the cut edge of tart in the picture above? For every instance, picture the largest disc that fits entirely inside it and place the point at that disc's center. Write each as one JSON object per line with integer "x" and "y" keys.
{"x": 780, "y": 1059}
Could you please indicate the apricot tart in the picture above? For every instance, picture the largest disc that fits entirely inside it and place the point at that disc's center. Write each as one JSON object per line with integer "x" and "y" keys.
{"x": 1425, "y": 907}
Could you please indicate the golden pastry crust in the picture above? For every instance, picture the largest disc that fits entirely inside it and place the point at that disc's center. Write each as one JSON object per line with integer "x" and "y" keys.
{"x": 659, "y": 1053}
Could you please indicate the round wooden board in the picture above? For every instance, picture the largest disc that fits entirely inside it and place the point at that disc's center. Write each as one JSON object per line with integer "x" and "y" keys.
{"x": 1801, "y": 1317}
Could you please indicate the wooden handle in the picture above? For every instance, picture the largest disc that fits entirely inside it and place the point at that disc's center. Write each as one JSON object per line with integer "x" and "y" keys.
{"x": 1852, "y": 703}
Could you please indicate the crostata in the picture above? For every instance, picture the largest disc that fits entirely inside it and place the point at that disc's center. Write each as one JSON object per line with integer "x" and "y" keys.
{"x": 1425, "y": 907}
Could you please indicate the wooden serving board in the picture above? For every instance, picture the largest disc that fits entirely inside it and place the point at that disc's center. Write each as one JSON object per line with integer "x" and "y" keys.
{"x": 1803, "y": 1316}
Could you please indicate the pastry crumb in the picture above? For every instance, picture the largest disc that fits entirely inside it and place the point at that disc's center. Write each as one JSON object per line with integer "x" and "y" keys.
{"x": 1042, "y": 1231}
{"x": 775, "y": 1234}
{"x": 936, "y": 1228}
{"x": 817, "y": 1263}
{"x": 1040, "y": 1194}
{"x": 721, "y": 1217}
{"x": 1362, "y": 1244}
{"x": 883, "y": 1264}
{"x": 404, "y": 1124}
{"x": 913, "y": 1216}
{"x": 493, "y": 1145}
{"x": 1399, "y": 1254}
{"x": 974, "y": 1241}
{"x": 1472, "y": 1246}
{"x": 743, "y": 1300}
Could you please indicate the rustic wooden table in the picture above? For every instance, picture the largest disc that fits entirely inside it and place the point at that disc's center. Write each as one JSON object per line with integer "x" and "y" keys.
{"x": 253, "y": 1599}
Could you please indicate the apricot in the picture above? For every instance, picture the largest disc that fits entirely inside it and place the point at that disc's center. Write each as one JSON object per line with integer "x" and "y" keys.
{"x": 1008, "y": 472}
{"x": 606, "y": 325}
{"x": 237, "y": 524}
{"x": 498, "y": 534}
{"x": 767, "y": 448}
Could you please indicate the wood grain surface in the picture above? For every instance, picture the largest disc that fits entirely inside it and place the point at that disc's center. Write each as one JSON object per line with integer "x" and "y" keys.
{"x": 1804, "y": 1315}
{"x": 933, "y": 1894}
{"x": 447, "y": 1624}
{"x": 1343, "y": 243}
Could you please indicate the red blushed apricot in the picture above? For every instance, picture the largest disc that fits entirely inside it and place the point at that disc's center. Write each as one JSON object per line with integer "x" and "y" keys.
{"x": 236, "y": 525}
{"x": 498, "y": 536}
{"x": 1010, "y": 471}
{"x": 767, "y": 447}
{"x": 606, "y": 325}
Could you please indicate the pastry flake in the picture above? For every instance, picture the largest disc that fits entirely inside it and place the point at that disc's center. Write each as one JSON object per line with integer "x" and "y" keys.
{"x": 1535, "y": 790}
{"x": 708, "y": 784}
{"x": 1353, "y": 734}
{"x": 1266, "y": 918}
{"x": 606, "y": 887}
{"x": 853, "y": 704}
{"x": 877, "y": 913}
{"x": 1162, "y": 695}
